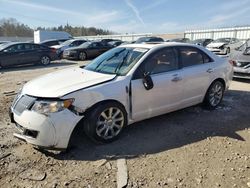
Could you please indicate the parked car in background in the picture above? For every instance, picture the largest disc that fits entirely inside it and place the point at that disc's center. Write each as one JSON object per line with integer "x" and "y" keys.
{"x": 115, "y": 43}
{"x": 202, "y": 42}
{"x": 4, "y": 42}
{"x": 124, "y": 85}
{"x": 53, "y": 42}
{"x": 86, "y": 50}
{"x": 223, "y": 46}
{"x": 148, "y": 39}
{"x": 17, "y": 53}
{"x": 67, "y": 44}
{"x": 183, "y": 40}
{"x": 240, "y": 58}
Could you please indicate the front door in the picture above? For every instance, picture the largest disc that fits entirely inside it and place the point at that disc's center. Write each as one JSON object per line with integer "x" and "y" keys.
{"x": 165, "y": 96}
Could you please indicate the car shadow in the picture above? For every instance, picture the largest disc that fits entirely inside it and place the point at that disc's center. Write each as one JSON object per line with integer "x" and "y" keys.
{"x": 34, "y": 67}
{"x": 166, "y": 132}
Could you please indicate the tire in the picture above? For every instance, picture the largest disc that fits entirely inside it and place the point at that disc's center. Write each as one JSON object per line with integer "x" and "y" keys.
{"x": 82, "y": 56}
{"x": 214, "y": 95}
{"x": 105, "y": 122}
{"x": 45, "y": 60}
{"x": 228, "y": 51}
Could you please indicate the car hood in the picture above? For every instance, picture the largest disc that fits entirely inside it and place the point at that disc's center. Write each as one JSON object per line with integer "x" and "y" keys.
{"x": 60, "y": 83}
{"x": 215, "y": 44}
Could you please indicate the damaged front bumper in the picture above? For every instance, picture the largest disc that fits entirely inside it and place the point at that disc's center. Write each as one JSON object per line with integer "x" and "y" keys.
{"x": 51, "y": 131}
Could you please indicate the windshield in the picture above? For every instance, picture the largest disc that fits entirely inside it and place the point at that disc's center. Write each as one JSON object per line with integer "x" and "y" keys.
{"x": 198, "y": 41}
{"x": 117, "y": 61}
{"x": 244, "y": 46}
{"x": 85, "y": 44}
{"x": 4, "y": 45}
{"x": 224, "y": 40}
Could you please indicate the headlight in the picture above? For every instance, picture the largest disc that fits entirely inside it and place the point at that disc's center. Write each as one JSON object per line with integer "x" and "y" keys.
{"x": 222, "y": 47}
{"x": 46, "y": 107}
{"x": 58, "y": 51}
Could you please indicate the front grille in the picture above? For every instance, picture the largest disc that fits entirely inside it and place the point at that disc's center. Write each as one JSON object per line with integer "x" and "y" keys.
{"x": 23, "y": 103}
{"x": 243, "y": 75}
{"x": 242, "y": 64}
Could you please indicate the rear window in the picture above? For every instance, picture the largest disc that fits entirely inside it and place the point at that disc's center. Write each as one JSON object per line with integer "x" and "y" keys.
{"x": 191, "y": 56}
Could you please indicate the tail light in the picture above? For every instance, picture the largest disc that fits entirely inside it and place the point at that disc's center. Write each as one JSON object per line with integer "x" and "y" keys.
{"x": 53, "y": 50}
{"x": 233, "y": 63}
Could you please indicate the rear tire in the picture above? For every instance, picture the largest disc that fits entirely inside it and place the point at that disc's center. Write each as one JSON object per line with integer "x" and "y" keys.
{"x": 45, "y": 60}
{"x": 82, "y": 56}
{"x": 214, "y": 95}
{"x": 105, "y": 122}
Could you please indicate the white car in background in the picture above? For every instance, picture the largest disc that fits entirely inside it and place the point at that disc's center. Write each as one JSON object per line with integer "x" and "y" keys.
{"x": 223, "y": 46}
{"x": 127, "y": 84}
{"x": 67, "y": 44}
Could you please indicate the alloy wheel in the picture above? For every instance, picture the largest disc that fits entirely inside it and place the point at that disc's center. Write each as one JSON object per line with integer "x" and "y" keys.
{"x": 215, "y": 94}
{"x": 45, "y": 60}
{"x": 110, "y": 123}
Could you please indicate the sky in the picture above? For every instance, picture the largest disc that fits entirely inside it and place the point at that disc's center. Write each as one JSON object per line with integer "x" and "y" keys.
{"x": 129, "y": 16}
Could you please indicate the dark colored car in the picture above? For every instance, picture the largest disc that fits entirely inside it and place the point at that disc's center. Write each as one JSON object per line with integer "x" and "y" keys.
{"x": 148, "y": 39}
{"x": 183, "y": 40}
{"x": 240, "y": 58}
{"x": 14, "y": 53}
{"x": 86, "y": 50}
{"x": 202, "y": 42}
{"x": 53, "y": 42}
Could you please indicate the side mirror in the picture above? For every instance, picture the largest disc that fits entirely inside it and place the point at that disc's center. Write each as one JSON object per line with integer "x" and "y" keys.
{"x": 247, "y": 51}
{"x": 147, "y": 81}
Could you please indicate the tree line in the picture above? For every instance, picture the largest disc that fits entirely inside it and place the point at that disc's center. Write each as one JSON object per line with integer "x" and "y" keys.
{"x": 11, "y": 27}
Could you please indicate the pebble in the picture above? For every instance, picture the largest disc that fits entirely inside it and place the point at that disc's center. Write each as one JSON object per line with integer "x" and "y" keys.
{"x": 33, "y": 174}
{"x": 248, "y": 184}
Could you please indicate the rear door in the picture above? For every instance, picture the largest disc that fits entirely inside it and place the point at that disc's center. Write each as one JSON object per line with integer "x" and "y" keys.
{"x": 197, "y": 73}
{"x": 165, "y": 96}
{"x": 93, "y": 50}
{"x": 30, "y": 55}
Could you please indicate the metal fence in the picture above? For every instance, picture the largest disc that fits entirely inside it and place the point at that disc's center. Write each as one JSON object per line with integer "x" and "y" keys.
{"x": 242, "y": 33}
{"x": 124, "y": 37}
{"x": 16, "y": 39}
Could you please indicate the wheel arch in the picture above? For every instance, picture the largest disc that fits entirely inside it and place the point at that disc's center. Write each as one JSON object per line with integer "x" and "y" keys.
{"x": 217, "y": 79}
{"x": 104, "y": 102}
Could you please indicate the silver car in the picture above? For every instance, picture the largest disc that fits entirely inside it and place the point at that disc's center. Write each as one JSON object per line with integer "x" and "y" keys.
{"x": 125, "y": 85}
{"x": 241, "y": 60}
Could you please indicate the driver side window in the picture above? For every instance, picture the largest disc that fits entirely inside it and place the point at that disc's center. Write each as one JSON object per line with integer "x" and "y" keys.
{"x": 164, "y": 60}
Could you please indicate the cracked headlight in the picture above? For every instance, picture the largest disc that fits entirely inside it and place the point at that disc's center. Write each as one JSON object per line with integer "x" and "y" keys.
{"x": 47, "y": 106}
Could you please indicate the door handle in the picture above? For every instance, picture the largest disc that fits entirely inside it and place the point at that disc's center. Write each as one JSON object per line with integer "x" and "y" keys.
{"x": 210, "y": 70}
{"x": 176, "y": 79}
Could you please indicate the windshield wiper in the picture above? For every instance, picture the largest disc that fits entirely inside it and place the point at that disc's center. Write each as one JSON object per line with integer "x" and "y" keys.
{"x": 121, "y": 64}
{"x": 116, "y": 54}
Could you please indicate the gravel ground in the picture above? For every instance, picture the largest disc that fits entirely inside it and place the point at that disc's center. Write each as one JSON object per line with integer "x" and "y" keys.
{"x": 192, "y": 147}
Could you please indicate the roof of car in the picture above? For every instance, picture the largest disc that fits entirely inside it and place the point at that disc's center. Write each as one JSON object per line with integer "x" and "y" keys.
{"x": 157, "y": 44}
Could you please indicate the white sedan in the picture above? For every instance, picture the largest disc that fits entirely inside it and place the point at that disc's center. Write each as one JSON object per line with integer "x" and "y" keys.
{"x": 124, "y": 85}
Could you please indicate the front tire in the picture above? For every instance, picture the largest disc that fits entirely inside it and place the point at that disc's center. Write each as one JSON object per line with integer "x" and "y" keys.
{"x": 214, "y": 95}
{"x": 105, "y": 122}
{"x": 82, "y": 56}
{"x": 45, "y": 60}
{"x": 228, "y": 51}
